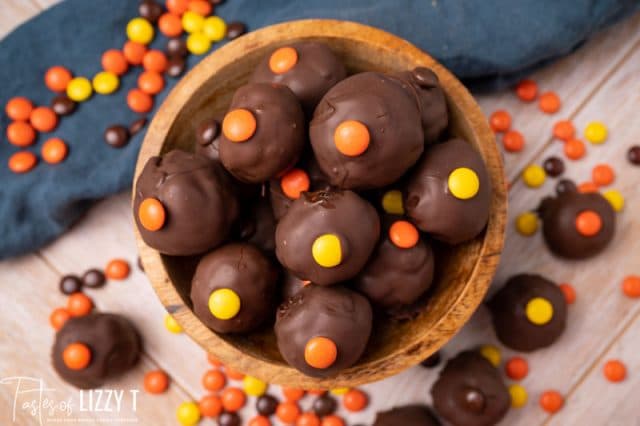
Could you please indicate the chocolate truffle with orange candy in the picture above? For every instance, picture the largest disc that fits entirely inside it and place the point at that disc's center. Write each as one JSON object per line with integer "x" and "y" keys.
{"x": 258, "y": 225}
{"x": 263, "y": 132}
{"x": 308, "y": 68}
{"x": 327, "y": 237}
{"x": 92, "y": 349}
{"x": 529, "y": 312}
{"x": 184, "y": 204}
{"x": 407, "y": 415}
{"x": 322, "y": 330}
{"x": 448, "y": 194}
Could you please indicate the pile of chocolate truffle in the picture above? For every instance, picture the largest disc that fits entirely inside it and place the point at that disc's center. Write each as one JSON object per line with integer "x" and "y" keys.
{"x": 314, "y": 201}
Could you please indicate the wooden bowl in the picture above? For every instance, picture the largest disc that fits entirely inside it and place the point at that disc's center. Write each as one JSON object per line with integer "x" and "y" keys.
{"x": 465, "y": 271}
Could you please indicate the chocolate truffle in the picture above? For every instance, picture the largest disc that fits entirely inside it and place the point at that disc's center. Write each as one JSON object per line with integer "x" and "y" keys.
{"x": 366, "y": 132}
{"x": 408, "y": 415}
{"x": 400, "y": 269}
{"x": 263, "y": 132}
{"x": 184, "y": 204}
{"x": 528, "y": 313}
{"x": 258, "y": 227}
{"x": 577, "y": 225}
{"x": 94, "y": 348}
{"x": 322, "y": 330}
{"x": 308, "y": 68}
{"x": 233, "y": 289}
{"x": 470, "y": 392}
{"x": 449, "y": 193}
{"x": 208, "y": 139}
{"x": 327, "y": 236}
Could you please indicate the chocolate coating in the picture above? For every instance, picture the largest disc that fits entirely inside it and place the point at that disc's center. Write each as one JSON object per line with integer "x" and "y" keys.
{"x": 278, "y": 139}
{"x": 508, "y": 312}
{"x": 342, "y": 213}
{"x": 470, "y": 392}
{"x": 258, "y": 227}
{"x": 114, "y": 342}
{"x": 316, "y": 71}
{"x": 336, "y": 313}
{"x": 559, "y": 224}
{"x": 408, "y": 415}
{"x": 198, "y": 200}
{"x": 392, "y": 118}
{"x": 432, "y": 361}
{"x": 208, "y": 139}
{"x": 433, "y": 208}
{"x": 291, "y": 285}
{"x": 243, "y": 269}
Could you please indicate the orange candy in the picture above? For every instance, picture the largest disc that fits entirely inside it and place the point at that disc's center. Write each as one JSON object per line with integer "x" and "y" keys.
{"x": 58, "y": 317}
{"x": 549, "y": 103}
{"x": 500, "y": 121}
{"x": 603, "y": 175}
{"x": 587, "y": 188}
{"x": 564, "y": 130}
{"x": 320, "y": 352}
{"x": 19, "y": 108}
{"x": 156, "y": 382}
{"x": 139, "y": 101}
{"x": 210, "y": 406}
{"x": 588, "y": 223}
{"x": 513, "y": 141}
{"x": 569, "y": 293}
{"x": 117, "y": 269}
{"x": 308, "y": 419}
{"x": 527, "y": 90}
{"x": 260, "y": 421}
{"x": 76, "y": 356}
{"x": 355, "y": 400}
{"x": 155, "y": 60}
{"x": 403, "y": 234}
{"x": 283, "y": 60}
{"x": 516, "y": 368}
{"x": 170, "y": 25}
{"x": 214, "y": 361}
{"x": 43, "y": 119}
{"x": 352, "y": 138}
{"x": 574, "y": 149}
{"x": 614, "y": 370}
{"x": 54, "y": 151}
{"x": 21, "y": 134}
{"x": 631, "y": 286}
{"x": 317, "y": 392}
{"x": 288, "y": 412}
{"x": 292, "y": 394}
{"x": 79, "y": 304}
{"x": 551, "y": 401}
{"x": 294, "y": 182}
{"x": 22, "y": 162}
{"x": 115, "y": 61}
{"x": 233, "y": 399}
{"x": 151, "y": 82}
{"x": 213, "y": 380}
{"x": 151, "y": 214}
{"x": 233, "y": 374}
{"x": 177, "y": 6}
{"x": 332, "y": 420}
{"x": 201, "y": 7}
{"x": 57, "y": 78}
{"x": 134, "y": 52}
{"x": 239, "y": 125}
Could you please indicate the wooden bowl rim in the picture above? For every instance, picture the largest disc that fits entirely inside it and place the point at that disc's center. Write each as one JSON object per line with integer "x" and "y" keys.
{"x": 458, "y": 313}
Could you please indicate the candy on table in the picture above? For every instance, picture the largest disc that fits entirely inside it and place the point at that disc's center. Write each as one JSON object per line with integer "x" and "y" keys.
{"x": 79, "y": 89}
{"x": 587, "y": 188}
{"x": 631, "y": 286}
{"x": 569, "y": 293}
{"x": 633, "y": 155}
{"x": 171, "y": 324}
{"x": 70, "y": 284}
{"x": 20, "y": 133}
{"x": 214, "y": 380}
{"x": 93, "y": 278}
{"x": 22, "y": 161}
{"x": 308, "y": 419}
{"x": 210, "y": 406}
{"x": 43, "y": 119}
{"x": 596, "y": 132}
{"x": 54, "y": 151}
{"x": 188, "y": 413}
{"x": 140, "y": 30}
{"x": 551, "y": 401}
{"x": 105, "y": 82}
{"x": 233, "y": 374}
{"x": 614, "y": 371}
{"x": 324, "y": 405}
{"x": 615, "y": 198}
{"x": 518, "y": 395}
{"x": 233, "y": 399}
{"x": 57, "y": 78}
{"x": 513, "y": 141}
{"x": 117, "y": 269}
{"x": 516, "y": 368}
{"x": 214, "y": 28}
{"x": 116, "y": 136}
{"x": 58, "y": 317}
{"x": 115, "y": 61}
{"x": 253, "y": 386}
{"x": 553, "y": 166}
{"x": 491, "y": 353}
{"x": 79, "y": 304}
{"x": 500, "y": 121}
{"x": 192, "y": 22}
{"x": 332, "y": 420}
{"x": 156, "y": 382}
{"x": 139, "y": 101}
{"x": 151, "y": 82}
{"x": 63, "y": 105}
{"x": 198, "y": 43}
{"x": 177, "y": 46}
{"x": 134, "y": 52}
{"x": 235, "y": 30}
{"x": 293, "y": 394}
{"x": 229, "y": 419}
{"x": 170, "y": 25}
{"x": 527, "y": 90}
{"x": 574, "y": 149}
{"x": 355, "y": 400}
{"x": 150, "y": 10}
{"x": 266, "y": 405}
{"x": 177, "y": 6}
{"x": 288, "y": 412}
{"x": 534, "y": 176}
{"x": 201, "y": 7}
{"x": 549, "y": 103}
{"x": 603, "y": 175}
{"x": 564, "y": 130}
{"x": 259, "y": 420}
{"x": 19, "y": 108}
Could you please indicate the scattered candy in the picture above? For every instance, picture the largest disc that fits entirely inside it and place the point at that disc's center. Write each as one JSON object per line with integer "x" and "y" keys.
{"x": 513, "y": 141}
{"x": 288, "y": 412}
{"x": 324, "y": 405}
{"x": 596, "y": 132}
{"x": 156, "y": 382}
{"x": 70, "y": 284}
{"x": 22, "y": 162}
{"x": 527, "y": 90}
{"x": 177, "y": 6}
{"x": 210, "y": 406}
{"x": 527, "y": 224}
{"x": 516, "y": 368}
{"x": 549, "y": 103}
{"x": 79, "y": 89}
{"x": 260, "y": 421}
{"x": 633, "y": 155}
{"x": 214, "y": 28}
{"x": 79, "y": 304}
{"x": 76, "y": 356}
{"x": 151, "y": 82}
{"x": 492, "y": 354}
{"x": 43, "y": 119}
{"x": 20, "y": 133}
{"x": 332, "y": 420}
{"x": 198, "y": 43}
{"x": 170, "y": 25}
{"x": 519, "y": 395}
{"x": 115, "y": 61}
{"x": 234, "y": 374}
{"x": 615, "y": 198}
{"x": 19, "y": 108}
{"x": 155, "y": 60}
{"x": 171, "y": 324}
{"x": 188, "y": 413}
{"x": 553, "y": 166}
{"x": 500, "y": 121}
{"x": 266, "y": 405}
{"x": 564, "y": 130}
{"x": 224, "y": 303}
{"x": 201, "y": 7}
{"x": 105, "y": 83}
{"x": 213, "y": 360}
{"x": 308, "y": 419}
{"x": 551, "y": 401}
{"x": 355, "y": 400}
{"x": 150, "y": 10}
{"x": 54, "y": 151}
{"x": 229, "y": 419}
{"x": 587, "y": 188}
{"x": 233, "y": 399}
{"x": 351, "y": 138}
{"x": 327, "y": 250}
{"x": 117, "y": 269}
{"x": 292, "y": 394}
{"x": 603, "y": 175}
{"x": 631, "y": 286}
{"x": 139, "y": 101}
{"x": 134, "y": 52}
{"x": 62, "y": 105}
{"x": 214, "y": 380}
{"x": 404, "y": 234}
{"x": 533, "y": 176}
{"x": 253, "y": 386}
{"x": 574, "y": 149}
{"x": 614, "y": 371}
{"x": 116, "y": 136}
{"x": 177, "y": 47}
{"x": 93, "y": 278}
{"x": 140, "y": 31}
{"x": 569, "y": 293}
{"x": 235, "y": 30}
{"x": 57, "y": 78}
{"x": 192, "y": 22}
{"x": 58, "y": 317}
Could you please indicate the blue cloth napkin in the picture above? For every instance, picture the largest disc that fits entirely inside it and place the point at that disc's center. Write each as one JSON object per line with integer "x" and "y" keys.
{"x": 488, "y": 43}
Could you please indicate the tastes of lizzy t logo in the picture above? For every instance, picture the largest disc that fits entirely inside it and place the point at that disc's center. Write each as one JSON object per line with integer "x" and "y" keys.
{"x": 32, "y": 399}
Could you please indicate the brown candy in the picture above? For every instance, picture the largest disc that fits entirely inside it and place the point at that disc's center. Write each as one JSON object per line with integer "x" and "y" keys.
{"x": 62, "y": 105}
{"x": 70, "y": 284}
{"x": 137, "y": 126}
{"x": 177, "y": 47}
{"x": 116, "y": 136}
{"x": 150, "y": 10}
{"x": 235, "y": 29}
{"x": 554, "y": 166}
{"x": 633, "y": 155}
{"x": 176, "y": 66}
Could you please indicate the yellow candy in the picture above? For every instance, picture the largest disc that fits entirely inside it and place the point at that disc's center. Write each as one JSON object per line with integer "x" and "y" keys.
{"x": 140, "y": 31}
{"x": 198, "y": 43}
{"x": 188, "y": 413}
{"x": 392, "y": 202}
{"x": 491, "y": 353}
{"x": 105, "y": 83}
{"x": 519, "y": 396}
{"x": 327, "y": 251}
{"x": 224, "y": 303}
{"x": 463, "y": 183}
{"x": 596, "y": 132}
{"x": 171, "y": 324}
{"x": 615, "y": 198}
{"x": 253, "y": 386}
{"x": 79, "y": 89}
{"x": 534, "y": 176}
{"x": 339, "y": 391}
{"x": 214, "y": 28}
{"x": 527, "y": 224}
{"x": 192, "y": 22}
{"x": 539, "y": 311}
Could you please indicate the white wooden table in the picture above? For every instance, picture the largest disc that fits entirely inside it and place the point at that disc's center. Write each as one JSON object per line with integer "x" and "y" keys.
{"x": 601, "y": 81}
